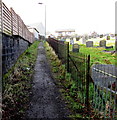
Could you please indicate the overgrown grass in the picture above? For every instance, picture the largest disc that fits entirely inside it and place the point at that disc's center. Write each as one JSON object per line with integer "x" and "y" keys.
{"x": 67, "y": 85}
{"x": 97, "y": 55}
{"x": 17, "y": 84}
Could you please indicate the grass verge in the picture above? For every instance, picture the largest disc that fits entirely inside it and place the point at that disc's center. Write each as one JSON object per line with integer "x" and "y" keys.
{"x": 17, "y": 84}
{"x": 98, "y": 56}
{"x": 67, "y": 86}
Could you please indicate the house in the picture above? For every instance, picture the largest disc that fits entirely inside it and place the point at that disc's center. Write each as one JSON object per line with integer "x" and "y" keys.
{"x": 94, "y": 35}
{"x": 65, "y": 32}
{"x": 34, "y": 31}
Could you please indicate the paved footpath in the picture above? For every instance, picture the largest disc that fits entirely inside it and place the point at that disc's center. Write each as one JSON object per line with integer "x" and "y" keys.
{"x": 45, "y": 101}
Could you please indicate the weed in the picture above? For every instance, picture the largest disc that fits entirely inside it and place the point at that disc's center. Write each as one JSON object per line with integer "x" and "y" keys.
{"x": 65, "y": 82}
{"x": 97, "y": 55}
{"x": 17, "y": 84}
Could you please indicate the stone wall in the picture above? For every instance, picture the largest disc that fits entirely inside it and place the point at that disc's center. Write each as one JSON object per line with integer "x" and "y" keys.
{"x": 12, "y": 48}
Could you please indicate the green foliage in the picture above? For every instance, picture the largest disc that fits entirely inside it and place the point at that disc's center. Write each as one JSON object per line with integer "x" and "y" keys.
{"x": 74, "y": 84}
{"x": 64, "y": 79}
{"x": 98, "y": 56}
{"x": 76, "y": 116}
{"x": 73, "y": 89}
{"x": 110, "y": 49}
{"x": 68, "y": 77}
{"x": 17, "y": 84}
{"x": 108, "y": 37}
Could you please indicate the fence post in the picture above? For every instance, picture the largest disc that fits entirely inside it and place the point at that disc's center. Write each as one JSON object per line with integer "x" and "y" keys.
{"x": 116, "y": 49}
{"x": 87, "y": 83}
{"x": 1, "y": 25}
{"x": 11, "y": 21}
{"x": 67, "y": 56}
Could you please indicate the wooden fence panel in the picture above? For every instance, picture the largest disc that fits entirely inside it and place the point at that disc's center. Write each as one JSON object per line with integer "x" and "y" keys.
{"x": 6, "y": 20}
{"x": 0, "y": 16}
{"x": 20, "y": 26}
{"x": 15, "y": 28}
{"x": 12, "y": 24}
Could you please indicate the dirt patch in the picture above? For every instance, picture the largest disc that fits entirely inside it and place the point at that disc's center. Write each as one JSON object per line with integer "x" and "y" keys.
{"x": 46, "y": 102}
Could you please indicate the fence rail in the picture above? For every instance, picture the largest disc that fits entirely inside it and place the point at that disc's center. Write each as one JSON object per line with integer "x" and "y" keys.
{"x": 104, "y": 89}
{"x": 96, "y": 89}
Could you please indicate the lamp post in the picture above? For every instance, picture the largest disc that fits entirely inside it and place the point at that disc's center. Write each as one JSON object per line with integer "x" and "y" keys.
{"x": 45, "y": 18}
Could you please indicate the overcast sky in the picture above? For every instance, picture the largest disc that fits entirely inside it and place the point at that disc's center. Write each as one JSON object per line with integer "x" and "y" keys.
{"x": 84, "y": 16}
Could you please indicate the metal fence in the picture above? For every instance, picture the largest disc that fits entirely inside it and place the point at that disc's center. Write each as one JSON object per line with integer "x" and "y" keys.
{"x": 60, "y": 49}
{"x": 103, "y": 92}
{"x": 94, "y": 86}
{"x": 77, "y": 66}
{"x": 78, "y": 69}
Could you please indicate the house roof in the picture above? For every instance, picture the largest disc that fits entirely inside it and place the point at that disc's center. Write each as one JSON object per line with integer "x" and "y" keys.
{"x": 33, "y": 28}
{"x": 65, "y": 30}
{"x": 39, "y": 27}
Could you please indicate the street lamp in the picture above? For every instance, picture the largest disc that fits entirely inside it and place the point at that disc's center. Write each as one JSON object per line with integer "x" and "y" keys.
{"x": 45, "y": 18}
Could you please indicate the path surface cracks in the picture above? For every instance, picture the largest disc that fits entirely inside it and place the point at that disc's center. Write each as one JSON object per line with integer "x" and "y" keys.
{"x": 45, "y": 102}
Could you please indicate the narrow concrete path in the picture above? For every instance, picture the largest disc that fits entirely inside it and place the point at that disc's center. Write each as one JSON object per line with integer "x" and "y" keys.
{"x": 45, "y": 102}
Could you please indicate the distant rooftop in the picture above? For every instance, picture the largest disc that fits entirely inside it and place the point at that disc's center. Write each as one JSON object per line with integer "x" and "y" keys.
{"x": 29, "y": 27}
{"x": 39, "y": 27}
{"x": 65, "y": 30}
